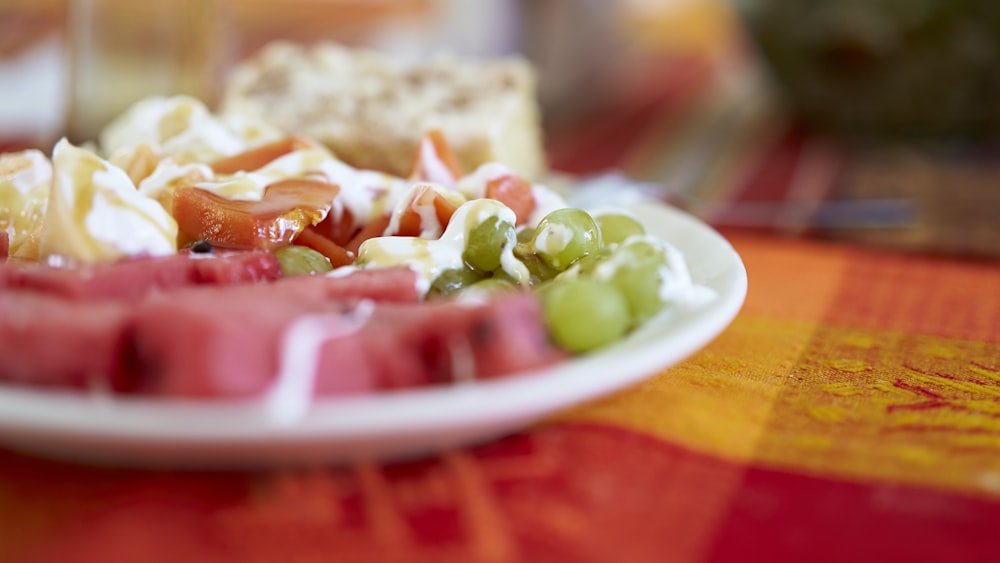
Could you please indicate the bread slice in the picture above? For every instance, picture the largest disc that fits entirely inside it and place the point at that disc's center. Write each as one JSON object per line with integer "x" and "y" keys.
{"x": 371, "y": 109}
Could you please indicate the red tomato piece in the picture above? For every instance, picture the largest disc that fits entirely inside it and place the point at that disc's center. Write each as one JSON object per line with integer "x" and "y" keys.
{"x": 338, "y": 255}
{"x": 259, "y": 156}
{"x": 338, "y": 229}
{"x": 411, "y": 221}
{"x": 435, "y": 161}
{"x": 514, "y": 192}
{"x": 287, "y": 208}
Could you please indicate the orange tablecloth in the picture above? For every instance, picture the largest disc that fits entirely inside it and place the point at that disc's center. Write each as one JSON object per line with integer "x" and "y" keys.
{"x": 850, "y": 413}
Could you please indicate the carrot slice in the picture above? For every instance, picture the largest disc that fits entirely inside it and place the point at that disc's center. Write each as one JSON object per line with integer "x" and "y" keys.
{"x": 514, "y": 192}
{"x": 338, "y": 229}
{"x": 338, "y": 255}
{"x": 374, "y": 228}
{"x": 259, "y": 156}
{"x": 435, "y": 161}
{"x": 285, "y": 210}
{"x": 411, "y": 221}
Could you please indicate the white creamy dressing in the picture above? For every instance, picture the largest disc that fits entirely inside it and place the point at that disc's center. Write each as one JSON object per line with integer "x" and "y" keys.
{"x": 434, "y": 167}
{"x": 182, "y": 129}
{"x": 546, "y": 201}
{"x": 676, "y": 287}
{"x": 288, "y": 399}
{"x": 429, "y": 258}
{"x": 95, "y": 214}
{"x": 366, "y": 194}
{"x": 430, "y": 226}
{"x": 553, "y": 239}
{"x": 178, "y": 126}
{"x": 250, "y": 186}
{"x": 25, "y": 171}
{"x": 473, "y": 186}
{"x": 168, "y": 176}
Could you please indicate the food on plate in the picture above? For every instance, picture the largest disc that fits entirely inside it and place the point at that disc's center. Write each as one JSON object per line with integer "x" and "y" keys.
{"x": 219, "y": 341}
{"x": 196, "y": 255}
{"x": 25, "y": 179}
{"x": 372, "y": 109}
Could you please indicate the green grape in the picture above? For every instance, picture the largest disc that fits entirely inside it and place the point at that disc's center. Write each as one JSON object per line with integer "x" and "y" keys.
{"x": 525, "y": 234}
{"x": 616, "y": 227}
{"x": 450, "y": 281}
{"x": 487, "y": 242}
{"x": 301, "y": 260}
{"x": 586, "y": 265}
{"x": 490, "y": 286}
{"x": 538, "y": 271}
{"x": 637, "y": 274}
{"x": 584, "y": 314}
{"x": 564, "y": 236}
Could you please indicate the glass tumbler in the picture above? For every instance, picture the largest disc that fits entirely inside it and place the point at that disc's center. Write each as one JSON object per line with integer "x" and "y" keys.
{"x": 120, "y": 51}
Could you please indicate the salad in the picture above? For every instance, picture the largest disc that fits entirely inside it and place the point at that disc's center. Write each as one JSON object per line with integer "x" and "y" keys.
{"x": 168, "y": 178}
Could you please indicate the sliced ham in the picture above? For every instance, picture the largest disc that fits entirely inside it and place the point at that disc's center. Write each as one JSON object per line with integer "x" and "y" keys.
{"x": 439, "y": 343}
{"x": 50, "y": 342}
{"x": 222, "y": 342}
{"x": 208, "y": 347}
{"x": 134, "y": 278}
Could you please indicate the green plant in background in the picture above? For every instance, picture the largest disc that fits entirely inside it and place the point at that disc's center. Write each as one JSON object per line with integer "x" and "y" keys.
{"x": 884, "y": 68}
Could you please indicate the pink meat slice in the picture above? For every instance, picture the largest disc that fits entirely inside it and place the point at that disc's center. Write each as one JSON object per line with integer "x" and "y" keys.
{"x": 204, "y": 346}
{"x": 396, "y": 285}
{"x": 4, "y": 245}
{"x": 439, "y": 342}
{"x": 212, "y": 341}
{"x": 180, "y": 338}
{"x": 134, "y": 278}
{"x": 50, "y": 342}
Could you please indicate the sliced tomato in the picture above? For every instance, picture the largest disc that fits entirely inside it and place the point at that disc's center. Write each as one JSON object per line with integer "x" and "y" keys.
{"x": 259, "y": 156}
{"x": 287, "y": 208}
{"x": 435, "y": 161}
{"x": 411, "y": 221}
{"x": 514, "y": 192}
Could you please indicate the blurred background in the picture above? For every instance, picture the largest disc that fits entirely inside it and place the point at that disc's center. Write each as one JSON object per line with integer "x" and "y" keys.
{"x": 870, "y": 120}
{"x": 73, "y": 64}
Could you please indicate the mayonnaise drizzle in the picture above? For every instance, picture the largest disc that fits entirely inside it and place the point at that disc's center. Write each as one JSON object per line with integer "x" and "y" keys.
{"x": 288, "y": 400}
{"x": 430, "y": 226}
{"x": 429, "y": 258}
{"x": 676, "y": 285}
{"x": 367, "y": 194}
{"x": 435, "y": 169}
{"x": 95, "y": 214}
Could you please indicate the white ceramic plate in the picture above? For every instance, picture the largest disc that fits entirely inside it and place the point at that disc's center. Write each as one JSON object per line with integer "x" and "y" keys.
{"x": 158, "y": 433}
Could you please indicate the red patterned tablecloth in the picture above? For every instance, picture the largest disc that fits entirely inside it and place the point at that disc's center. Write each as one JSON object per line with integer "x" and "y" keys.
{"x": 850, "y": 413}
